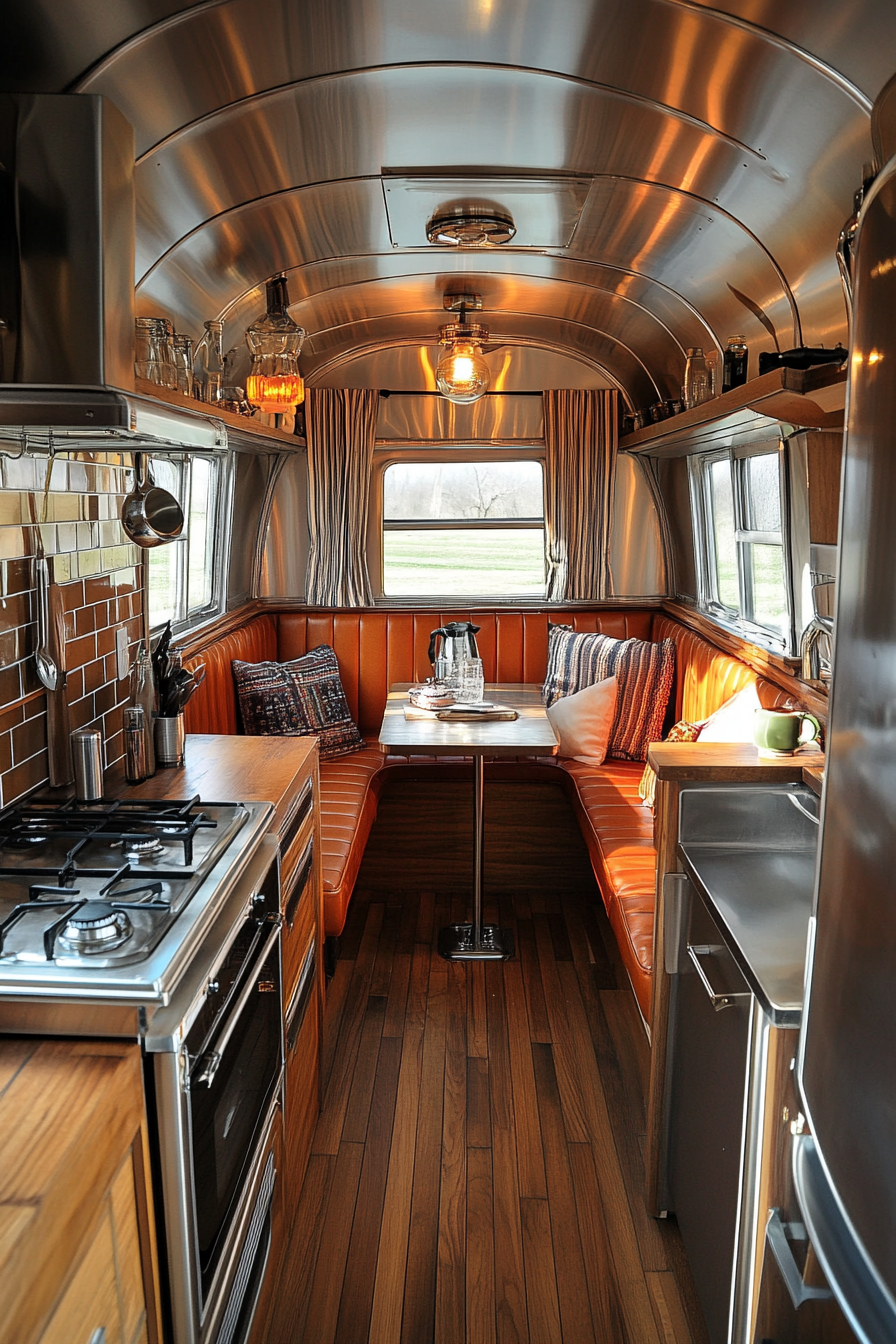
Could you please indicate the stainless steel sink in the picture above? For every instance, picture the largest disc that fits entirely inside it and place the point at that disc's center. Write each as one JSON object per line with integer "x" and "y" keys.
{"x": 751, "y": 852}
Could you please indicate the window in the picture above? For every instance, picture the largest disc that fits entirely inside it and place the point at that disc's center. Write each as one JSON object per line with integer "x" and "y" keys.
{"x": 739, "y": 538}
{"x": 463, "y": 528}
{"x": 186, "y": 577}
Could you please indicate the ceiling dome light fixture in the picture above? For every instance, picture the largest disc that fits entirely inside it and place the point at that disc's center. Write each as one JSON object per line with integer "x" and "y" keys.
{"x": 274, "y": 383}
{"x": 462, "y": 375}
{"x": 466, "y": 226}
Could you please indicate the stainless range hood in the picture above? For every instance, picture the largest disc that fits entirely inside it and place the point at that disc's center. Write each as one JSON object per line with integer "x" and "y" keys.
{"x": 67, "y": 283}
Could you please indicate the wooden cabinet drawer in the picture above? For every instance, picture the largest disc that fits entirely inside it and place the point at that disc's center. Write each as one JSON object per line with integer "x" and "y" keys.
{"x": 90, "y": 1302}
{"x": 302, "y": 1101}
{"x": 299, "y": 906}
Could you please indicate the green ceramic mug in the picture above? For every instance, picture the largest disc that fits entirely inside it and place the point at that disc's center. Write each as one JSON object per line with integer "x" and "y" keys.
{"x": 781, "y": 732}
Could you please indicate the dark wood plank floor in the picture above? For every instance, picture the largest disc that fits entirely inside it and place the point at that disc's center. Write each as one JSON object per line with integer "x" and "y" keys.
{"x": 477, "y": 1173}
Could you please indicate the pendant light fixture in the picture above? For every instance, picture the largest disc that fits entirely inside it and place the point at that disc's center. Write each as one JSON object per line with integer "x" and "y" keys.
{"x": 274, "y": 384}
{"x": 462, "y": 375}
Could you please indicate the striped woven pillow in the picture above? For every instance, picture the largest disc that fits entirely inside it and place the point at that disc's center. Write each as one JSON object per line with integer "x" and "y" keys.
{"x": 644, "y": 673}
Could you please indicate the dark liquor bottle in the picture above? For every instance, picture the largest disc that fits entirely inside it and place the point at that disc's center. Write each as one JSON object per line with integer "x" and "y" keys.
{"x": 735, "y": 370}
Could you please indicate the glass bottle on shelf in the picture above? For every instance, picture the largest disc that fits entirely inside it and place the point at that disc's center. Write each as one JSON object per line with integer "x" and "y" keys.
{"x": 696, "y": 379}
{"x": 735, "y": 366}
{"x": 153, "y": 355}
{"x": 208, "y": 363}
{"x": 183, "y": 363}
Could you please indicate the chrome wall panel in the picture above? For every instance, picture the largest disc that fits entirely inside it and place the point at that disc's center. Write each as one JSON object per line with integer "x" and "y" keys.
{"x": 637, "y": 558}
{"x": 432, "y": 419}
{"x": 516, "y": 368}
{"x": 285, "y": 547}
{"x": 252, "y": 471}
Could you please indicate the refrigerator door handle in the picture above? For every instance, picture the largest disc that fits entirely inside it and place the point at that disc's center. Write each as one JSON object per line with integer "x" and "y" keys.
{"x": 779, "y": 1235}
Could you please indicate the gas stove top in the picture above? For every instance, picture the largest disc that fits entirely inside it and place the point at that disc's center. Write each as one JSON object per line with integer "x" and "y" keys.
{"x": 100, "y": 898}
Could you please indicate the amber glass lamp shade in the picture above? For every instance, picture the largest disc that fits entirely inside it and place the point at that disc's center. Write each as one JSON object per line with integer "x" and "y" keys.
{"x": 274, "y": 383}
{"x": 462, "y": 375}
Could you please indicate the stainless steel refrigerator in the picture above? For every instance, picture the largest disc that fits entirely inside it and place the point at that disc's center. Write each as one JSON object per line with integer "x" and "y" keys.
{"x": 846, "y": 1169}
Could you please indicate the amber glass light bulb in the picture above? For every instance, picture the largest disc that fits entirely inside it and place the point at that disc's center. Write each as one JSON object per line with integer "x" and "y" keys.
{"x": 462, "y": 374}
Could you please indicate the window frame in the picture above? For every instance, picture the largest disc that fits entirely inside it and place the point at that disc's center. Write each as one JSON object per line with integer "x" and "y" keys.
{"x": 219, "y": 525}
{"x": 708, "y": 599}
{"x": 389, "y": 454}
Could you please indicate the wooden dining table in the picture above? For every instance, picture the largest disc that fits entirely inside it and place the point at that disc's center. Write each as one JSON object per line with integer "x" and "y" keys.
{"x": 530, "y": 734}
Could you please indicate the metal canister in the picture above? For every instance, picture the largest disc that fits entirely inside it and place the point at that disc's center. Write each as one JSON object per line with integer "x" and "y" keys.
{"x": 136, "y": 766}
{"x": 87, "y": 754}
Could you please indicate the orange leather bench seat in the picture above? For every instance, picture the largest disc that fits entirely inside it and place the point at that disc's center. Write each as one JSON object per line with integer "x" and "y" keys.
{"x": 378, "y": 648}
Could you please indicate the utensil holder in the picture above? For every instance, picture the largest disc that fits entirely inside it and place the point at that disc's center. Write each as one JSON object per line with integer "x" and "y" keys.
{"x": 169, "y": 740}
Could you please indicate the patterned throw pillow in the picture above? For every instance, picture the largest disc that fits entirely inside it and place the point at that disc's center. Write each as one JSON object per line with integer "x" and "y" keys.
{"x": 296, "y": 699}
{"x": 681, "y": 732}
{"x": 644, "y": 673}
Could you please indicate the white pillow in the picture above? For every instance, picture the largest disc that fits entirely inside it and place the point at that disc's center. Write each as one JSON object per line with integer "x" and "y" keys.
{"x": 733, "y": 721}
{"x": 583, "y": 721}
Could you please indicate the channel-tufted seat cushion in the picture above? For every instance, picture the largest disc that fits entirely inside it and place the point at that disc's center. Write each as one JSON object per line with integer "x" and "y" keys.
{"x": 376, "y": 649}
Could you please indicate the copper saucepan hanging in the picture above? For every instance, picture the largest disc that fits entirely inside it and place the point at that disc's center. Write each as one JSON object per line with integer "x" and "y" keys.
{"x": 150, "y": 515}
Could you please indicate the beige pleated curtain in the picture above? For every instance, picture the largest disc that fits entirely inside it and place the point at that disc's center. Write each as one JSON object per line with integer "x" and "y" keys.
{"x": 580, "y": 434}
{"x": 340, "y": 424}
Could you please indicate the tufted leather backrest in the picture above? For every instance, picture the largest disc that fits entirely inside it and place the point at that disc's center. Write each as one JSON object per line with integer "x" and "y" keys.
{"x": 705, "y": 676}
{"x": 377, "y": 648}
{"x": 213, "y": 709}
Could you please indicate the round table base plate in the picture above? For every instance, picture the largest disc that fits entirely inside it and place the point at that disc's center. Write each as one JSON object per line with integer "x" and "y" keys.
{"x": 456, "y": 943}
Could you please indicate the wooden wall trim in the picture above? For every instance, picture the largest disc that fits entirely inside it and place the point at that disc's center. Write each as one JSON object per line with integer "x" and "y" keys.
{"x": 768, "y": 665}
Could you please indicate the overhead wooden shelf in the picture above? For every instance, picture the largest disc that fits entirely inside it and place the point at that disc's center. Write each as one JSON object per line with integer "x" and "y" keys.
{"x": 244, "y": 423}
{"x": 774, "y": 404}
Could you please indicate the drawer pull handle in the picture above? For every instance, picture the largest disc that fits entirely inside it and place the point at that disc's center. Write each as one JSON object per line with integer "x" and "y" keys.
{"x": 303, "y": 871}
{"x": 717, "y": 999}
{"x": 295, "y": 1013}
{"x": 98, "y": 1336}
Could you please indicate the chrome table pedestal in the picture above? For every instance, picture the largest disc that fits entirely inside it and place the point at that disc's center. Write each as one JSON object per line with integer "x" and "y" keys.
{"x": 530, "y": 734}
{"x": 476, "y": 941}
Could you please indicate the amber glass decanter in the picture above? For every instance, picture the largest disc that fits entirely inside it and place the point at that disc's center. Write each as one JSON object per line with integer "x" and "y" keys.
{"x": 274, "y": 383}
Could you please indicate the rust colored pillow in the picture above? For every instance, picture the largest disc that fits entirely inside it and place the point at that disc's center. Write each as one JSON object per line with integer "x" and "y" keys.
{"x": 680, "y": 732}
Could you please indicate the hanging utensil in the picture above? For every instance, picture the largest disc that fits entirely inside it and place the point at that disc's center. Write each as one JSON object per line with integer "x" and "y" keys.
{"x": 58, "y": 725}
{"x": 150, "y": 515}
{"x": 47, "y": 671}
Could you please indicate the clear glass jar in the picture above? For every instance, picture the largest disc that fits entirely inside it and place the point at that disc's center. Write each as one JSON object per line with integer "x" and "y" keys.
{"x": 696, "y": 379}
{"x": 154, "y": 357}
{"x": 183, "y": 363}
{"x": 208, "y": 363}
{"x": 274, "y": 383}
{"x": 735, "y": 367}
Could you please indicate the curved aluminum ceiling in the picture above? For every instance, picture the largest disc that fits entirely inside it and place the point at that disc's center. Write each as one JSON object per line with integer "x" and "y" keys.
{"x": 709, "y": 152}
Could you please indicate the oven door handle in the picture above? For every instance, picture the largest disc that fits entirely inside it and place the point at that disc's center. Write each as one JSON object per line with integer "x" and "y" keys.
{"x": 210, "y": 1060}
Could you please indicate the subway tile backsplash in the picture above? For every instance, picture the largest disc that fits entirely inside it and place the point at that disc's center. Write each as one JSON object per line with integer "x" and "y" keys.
{"x": 100, "y": 572}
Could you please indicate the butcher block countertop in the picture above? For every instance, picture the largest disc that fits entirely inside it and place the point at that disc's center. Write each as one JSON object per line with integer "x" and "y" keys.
{"x": 728, "y": 763}
{"x": 223, "y": 768}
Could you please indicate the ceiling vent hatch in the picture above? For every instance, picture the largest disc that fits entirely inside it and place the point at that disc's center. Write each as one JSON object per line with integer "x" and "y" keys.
{"x": 462, "y": 209}
{"x": 465, "y": 227}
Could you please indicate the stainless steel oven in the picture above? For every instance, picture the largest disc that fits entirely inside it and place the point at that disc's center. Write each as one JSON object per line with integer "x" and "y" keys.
{"x": 215, "y": 1079}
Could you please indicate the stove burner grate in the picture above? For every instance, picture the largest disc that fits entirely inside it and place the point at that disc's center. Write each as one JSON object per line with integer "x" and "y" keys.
{"x": 127, "y": 823}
